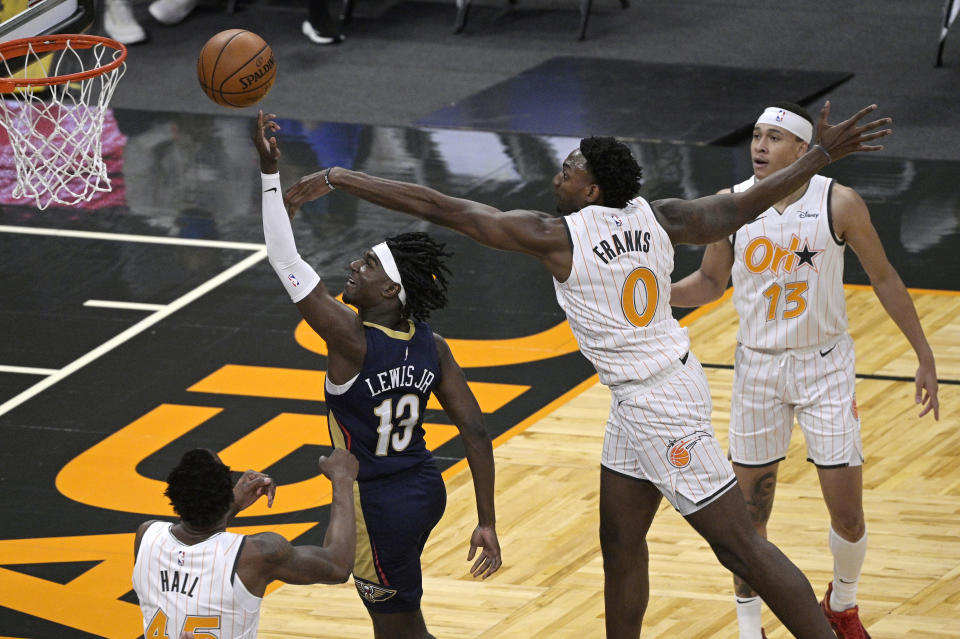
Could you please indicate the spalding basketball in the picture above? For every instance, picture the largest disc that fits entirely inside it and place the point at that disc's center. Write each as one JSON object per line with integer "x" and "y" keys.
{"x": 236, "y": 68}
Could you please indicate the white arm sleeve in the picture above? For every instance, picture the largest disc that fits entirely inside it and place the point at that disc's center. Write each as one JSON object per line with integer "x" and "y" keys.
{"x": 297, "y": 276}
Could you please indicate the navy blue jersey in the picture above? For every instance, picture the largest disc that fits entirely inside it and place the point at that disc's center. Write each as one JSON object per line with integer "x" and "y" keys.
{"x": 378, "y": 415}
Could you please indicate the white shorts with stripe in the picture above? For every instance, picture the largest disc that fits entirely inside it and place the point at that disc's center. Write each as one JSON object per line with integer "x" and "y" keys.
{"x": 816, "y": 384}
{"x": 659, "y": 430}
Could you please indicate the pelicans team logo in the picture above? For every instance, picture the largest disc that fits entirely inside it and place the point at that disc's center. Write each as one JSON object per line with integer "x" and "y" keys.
{"x": 372, "y": 592}
{"x": 763, "y": 254}
{"x": 678, "y": 450}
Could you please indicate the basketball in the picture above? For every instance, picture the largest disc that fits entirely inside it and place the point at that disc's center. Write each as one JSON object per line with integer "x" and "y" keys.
{"x": 236, "y": 68}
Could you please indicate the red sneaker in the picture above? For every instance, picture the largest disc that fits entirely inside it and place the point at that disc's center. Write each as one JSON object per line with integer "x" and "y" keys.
{"x": 846, "y": 624}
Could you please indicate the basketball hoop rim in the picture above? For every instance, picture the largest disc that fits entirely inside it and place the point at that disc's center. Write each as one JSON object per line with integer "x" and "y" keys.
{"x": 47, "y": 43}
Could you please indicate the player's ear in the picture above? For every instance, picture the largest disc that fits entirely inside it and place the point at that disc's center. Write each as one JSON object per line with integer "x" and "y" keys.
{"x": 392, "y": 289}
{"x": 593, "y": 194}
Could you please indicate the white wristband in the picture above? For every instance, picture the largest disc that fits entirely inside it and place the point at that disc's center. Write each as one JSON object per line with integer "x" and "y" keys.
{"x": 297, "y": 276}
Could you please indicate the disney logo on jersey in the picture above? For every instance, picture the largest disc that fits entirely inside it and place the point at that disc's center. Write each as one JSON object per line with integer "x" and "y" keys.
{"x": 763, "y": 254}
{"x": 371, "y": 591}
{"x": 678, "y": 450}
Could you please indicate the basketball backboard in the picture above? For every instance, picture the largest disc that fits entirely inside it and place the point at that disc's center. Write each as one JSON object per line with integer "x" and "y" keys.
{"x": 28, "y": 18}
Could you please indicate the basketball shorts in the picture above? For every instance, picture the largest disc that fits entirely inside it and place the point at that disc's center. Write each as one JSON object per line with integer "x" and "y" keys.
{"x": 817, "y": 385}
{"x": 661, "y": 433}
{"x": 395, "y": 515}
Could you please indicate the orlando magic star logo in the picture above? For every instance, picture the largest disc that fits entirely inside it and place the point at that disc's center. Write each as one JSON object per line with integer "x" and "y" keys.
{"x": 806, "y": 256}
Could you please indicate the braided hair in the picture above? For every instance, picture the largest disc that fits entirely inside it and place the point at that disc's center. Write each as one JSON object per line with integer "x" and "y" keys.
{"x": 420, "y": 261}
{"x": 199, "y": 488}
{"x": 612, "y": 165}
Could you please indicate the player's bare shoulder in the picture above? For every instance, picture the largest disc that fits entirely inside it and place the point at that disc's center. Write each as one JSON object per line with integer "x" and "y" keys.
{"x": 141, "y": 530}
{"x": 267, "y": 548}
{"x": 442, "y": 347}
{"x": 847, "y": 208}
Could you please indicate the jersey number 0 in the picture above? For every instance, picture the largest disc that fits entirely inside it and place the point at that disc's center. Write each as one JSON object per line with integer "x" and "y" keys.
{"x": 628, "y": 299}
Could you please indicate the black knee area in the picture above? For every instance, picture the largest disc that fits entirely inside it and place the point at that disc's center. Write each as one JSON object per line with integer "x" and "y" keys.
{"x": 741, "y": 556}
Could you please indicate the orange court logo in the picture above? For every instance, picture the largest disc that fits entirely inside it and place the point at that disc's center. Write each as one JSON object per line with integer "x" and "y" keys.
{"x": 678, "y": 450}
{"x": 763, "y": 254}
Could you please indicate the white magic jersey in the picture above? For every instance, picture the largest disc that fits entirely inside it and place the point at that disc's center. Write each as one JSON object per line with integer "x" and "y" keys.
{"x": 617, "y": 298}
{"x": 788, "y": 274}
{"x": 193, "y": 588}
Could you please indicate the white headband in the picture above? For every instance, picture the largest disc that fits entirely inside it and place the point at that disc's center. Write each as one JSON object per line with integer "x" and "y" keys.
{"x": 787, "y": 120}
{"x": 389, "y": 265}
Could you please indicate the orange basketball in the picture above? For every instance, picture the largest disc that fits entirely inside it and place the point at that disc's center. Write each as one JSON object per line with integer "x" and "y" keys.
{"x": 236, "y": 68}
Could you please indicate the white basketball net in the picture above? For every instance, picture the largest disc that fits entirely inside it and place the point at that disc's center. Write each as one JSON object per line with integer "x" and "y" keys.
{"x": 56, "y": 132}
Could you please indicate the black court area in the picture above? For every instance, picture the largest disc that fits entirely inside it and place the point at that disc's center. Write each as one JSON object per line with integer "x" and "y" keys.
{"x": 149, "y": 322}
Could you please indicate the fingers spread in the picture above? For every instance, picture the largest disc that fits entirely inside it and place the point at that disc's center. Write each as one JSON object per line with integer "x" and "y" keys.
{"x": 856, "y": 117}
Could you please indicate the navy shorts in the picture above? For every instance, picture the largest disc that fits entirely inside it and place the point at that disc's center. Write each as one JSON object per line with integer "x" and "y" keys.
{"x": 395, "y": 515}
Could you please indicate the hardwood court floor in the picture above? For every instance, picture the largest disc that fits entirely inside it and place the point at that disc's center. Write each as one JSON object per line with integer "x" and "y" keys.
{"x": 551, "y": 584}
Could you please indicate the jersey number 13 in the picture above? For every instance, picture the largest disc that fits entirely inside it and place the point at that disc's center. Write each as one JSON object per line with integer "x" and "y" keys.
{"x": 407, "y": 411}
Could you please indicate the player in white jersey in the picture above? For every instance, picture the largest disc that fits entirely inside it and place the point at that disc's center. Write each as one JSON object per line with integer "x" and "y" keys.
{"x": 611, "y": 256}
{"x": 195, "y": 579}
{"x": 794, "y": 355}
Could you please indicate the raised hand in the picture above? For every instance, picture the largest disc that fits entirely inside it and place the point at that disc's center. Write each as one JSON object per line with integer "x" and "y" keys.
{"x": 308, "y": 188}
{"x": 250, "y": 487}
{"x": 489, "y": 560}
{"x": 840, "y": 140}
{"x": 266, "y": 144}
{"x": 340, "y": 463}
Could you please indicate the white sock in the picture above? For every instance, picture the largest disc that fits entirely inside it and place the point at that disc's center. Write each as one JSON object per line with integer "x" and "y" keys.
{"x": 748, "y": 617}
{"x": 847, "y": 564}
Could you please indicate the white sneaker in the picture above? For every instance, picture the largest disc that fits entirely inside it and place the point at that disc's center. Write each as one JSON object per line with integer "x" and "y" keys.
{"x": 120, "y": 24}
{"x": 315, "y": 35}
{"x": 171, "y": 11}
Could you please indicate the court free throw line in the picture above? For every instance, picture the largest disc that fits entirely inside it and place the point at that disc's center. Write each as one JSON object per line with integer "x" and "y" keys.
{"x": 134, "y": 330}
{"x": 27, "y": 370}
{"x": 126, "y": 306}
{"x": 125, "y": 237}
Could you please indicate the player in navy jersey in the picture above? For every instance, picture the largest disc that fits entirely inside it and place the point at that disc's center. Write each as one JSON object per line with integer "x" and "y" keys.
{"x": 383, "y": 364}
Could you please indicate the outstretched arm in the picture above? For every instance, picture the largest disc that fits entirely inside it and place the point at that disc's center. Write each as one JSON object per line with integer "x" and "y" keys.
{"x": 339, "y": 326}
{"x": 531, "y": 232}
{"x": 462, "y": 408}
{"x": 709, "y": 281}
{"x": 852, "y": 222}
{"x": 710, "y": 218}
{"x": 271, "y": 557}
